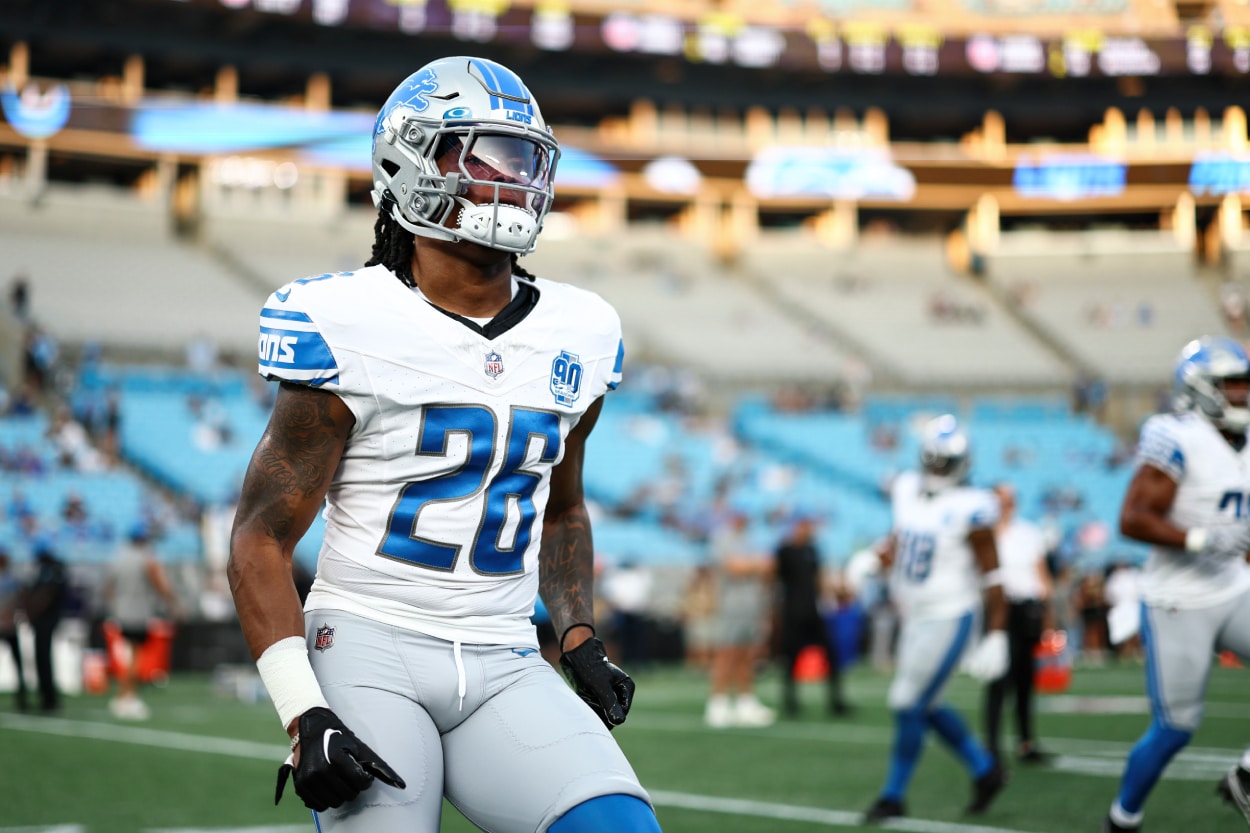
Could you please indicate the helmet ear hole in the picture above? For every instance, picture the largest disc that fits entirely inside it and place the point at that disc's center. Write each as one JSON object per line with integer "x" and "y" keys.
{"x": 389, "y": 166}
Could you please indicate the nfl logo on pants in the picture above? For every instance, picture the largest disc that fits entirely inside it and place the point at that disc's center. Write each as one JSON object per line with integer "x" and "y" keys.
{"x": 325, "y": 638}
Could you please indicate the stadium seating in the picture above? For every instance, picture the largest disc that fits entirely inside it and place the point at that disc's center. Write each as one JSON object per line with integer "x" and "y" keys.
{"x": 678, "y": 306}
{"x": 1065, "y": 468}
{"x": 192, "y": 433}
{"x": 274, "y": 251}
{"x": 115, "y": 501}
{"x": 909, "y": 314}
{"x": 104, "y": 268}
{"x": 1121, "y": 302}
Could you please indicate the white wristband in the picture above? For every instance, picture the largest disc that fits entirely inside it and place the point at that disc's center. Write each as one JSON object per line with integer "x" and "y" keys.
{"x": 992, "y": 578}
{"x": 1195, "y": 540}
{"x": 289, "y": 679}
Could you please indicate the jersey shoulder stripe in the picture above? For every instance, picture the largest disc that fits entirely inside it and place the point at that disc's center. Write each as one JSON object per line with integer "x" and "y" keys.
{"x": 1161, "y": 444}
{"x": 292, "y": 346}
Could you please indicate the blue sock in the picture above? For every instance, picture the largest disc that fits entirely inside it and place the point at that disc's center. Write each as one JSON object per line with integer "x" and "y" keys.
{"x": 909, "y": 729}
{"x": 617, "y": 813}
{"x": 954, "y": 732}
{"x": 1146, "y": 763}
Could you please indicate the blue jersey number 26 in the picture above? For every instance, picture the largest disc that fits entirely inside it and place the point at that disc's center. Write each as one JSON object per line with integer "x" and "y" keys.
{"x": 513, "y": 485}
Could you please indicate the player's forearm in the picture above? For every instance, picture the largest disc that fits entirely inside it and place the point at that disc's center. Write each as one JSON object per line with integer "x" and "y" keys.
{"x": 1151, "y": 528}
{"x": 995, "y": 608}
{"x": 264, "y": 590}
{"x": 566, "y": 576}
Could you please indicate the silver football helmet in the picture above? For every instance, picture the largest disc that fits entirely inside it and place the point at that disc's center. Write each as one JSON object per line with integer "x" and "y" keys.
{"x": 1205, "y": 365}
{"x": 945, "y": 455}
{"x": 458, "y": 130}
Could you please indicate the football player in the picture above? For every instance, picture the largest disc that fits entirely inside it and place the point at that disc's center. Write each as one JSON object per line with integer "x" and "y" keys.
{"x": 1188, "y": 498}
{"x": 944, "y": 564}
{"x": 437, "y": 402}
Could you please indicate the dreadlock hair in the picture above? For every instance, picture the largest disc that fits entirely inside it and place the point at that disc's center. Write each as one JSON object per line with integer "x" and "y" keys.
{"x": 393, "y": 246}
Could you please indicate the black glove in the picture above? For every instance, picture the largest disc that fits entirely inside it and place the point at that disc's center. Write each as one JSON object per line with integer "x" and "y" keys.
{"x": 334, "y": 765}
{"x": 606, "y": 689}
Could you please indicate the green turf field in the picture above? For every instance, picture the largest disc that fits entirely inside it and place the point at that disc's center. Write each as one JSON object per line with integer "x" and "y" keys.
{"x": 205, "y": 762}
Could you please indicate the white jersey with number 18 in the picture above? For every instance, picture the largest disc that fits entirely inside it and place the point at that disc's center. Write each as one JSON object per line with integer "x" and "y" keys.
{"x": 935, "y": 573}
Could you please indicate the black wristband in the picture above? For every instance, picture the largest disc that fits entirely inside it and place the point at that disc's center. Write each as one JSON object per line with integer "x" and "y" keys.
{"x": 576, "y": 625}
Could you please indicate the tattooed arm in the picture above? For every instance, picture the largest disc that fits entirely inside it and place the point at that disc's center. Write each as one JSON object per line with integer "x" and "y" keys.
{"x": 283, "y": 489}
{"x": 566, "y": 576}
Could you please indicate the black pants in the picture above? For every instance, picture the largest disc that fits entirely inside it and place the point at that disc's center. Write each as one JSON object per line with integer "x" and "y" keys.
{"x": 15, "y": 648}
{"x": 797, "y": 634}
{"x": 49, "y": 697}
{"x": 1024, "y": 632}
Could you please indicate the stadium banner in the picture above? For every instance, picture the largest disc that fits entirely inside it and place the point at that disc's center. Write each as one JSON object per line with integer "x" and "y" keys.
{"x": 879, "y": 37}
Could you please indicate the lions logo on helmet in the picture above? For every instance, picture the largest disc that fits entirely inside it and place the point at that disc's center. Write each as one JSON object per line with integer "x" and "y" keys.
{"x": 1203, "y": 371}
{"x": 461, "y": 152}
{"x": 945, "y": 457}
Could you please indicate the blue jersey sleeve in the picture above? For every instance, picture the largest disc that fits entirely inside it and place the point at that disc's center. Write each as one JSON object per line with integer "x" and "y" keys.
{"x": 1160, "y": 447}
{"x": 291, "y": 347}
{"x": 618, "y": 365}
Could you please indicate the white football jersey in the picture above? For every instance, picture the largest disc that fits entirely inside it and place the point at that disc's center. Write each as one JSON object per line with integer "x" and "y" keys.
{"x": 434, "y": 516}
{"x": 1212, "y": 487}
{"x": 935, "y": 573}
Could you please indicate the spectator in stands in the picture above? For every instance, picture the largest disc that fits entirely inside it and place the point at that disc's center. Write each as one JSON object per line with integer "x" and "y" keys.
{"x": 19, "y": 296}
{"x": 1027, "y": 585}
{"x": 45, "y": 599}
{"x": 41, "y": 351}
{"x": 111, "y": 434}
{"x": 743, "y": 579}
{"x": 201, "y": 354}
{"x": 23, "y": 402}
{"x": 73, "y": 445}
{"x": 799, "y": 577}
{"x": 137, "y": 591}
{"x": 1089, "y": 395}
{"x": 210, "y": 429}
{"x": 1233, "y": 305}
{"x": 19, "y": 506}
{"x": 10, "y": 601}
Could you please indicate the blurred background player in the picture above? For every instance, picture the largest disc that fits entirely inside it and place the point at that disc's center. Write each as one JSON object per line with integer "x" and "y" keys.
{"x": 1026, "y": 583}
{"x": 437, "y": 402}
{"x": 743, "y": 606}
{"x": 137, "y": 592}
{"x": 799, "y": 576}
{"x": 943, "y": 563}
{"x": 1188, "y": 498}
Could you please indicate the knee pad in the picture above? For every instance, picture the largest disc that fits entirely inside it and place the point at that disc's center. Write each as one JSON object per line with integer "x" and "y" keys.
{"x": 617, "y": 813}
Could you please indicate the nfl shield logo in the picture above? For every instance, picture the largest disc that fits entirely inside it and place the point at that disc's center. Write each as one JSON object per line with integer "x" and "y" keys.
{"x": 494, "y": 364}
{"x": 325, "y": 638}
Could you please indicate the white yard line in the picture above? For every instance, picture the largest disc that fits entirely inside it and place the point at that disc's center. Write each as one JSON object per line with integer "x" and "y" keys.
{"x": 1097, "y": 758}
{"x": 814, "y": 815}
{"x": 143, "y": 737}
{"x": 246, "y": 749}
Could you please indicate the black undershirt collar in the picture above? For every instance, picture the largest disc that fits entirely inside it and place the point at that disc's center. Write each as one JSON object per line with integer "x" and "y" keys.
{"x": 525, "y": 299}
